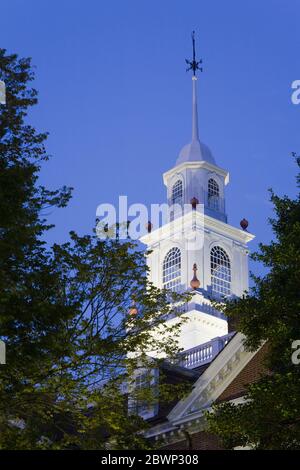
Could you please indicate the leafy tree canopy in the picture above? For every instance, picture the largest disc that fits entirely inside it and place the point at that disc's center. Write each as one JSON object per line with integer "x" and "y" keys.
{"x": 71, "y": 343}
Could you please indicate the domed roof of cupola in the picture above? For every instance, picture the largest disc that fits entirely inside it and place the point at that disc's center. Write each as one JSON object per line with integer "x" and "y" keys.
{"x": 196, "y": 151}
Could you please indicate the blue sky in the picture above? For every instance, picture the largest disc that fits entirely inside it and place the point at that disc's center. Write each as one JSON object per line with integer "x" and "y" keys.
{"x": 116, "y": 100}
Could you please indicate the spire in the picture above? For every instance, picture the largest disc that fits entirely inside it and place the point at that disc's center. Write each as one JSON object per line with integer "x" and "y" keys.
{"x": 195, "y": 151}
{"x": 194, "y": 66}
{"x": 195, "y": 134}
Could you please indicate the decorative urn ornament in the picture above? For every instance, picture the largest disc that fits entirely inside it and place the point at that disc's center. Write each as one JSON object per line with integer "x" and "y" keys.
{"x": 195, "y": 283}
{"x": 244, "y": 224}
{"x": 194, "y": 201}
{"x": 149, "y": 226}
{"x": 133, "y": 309}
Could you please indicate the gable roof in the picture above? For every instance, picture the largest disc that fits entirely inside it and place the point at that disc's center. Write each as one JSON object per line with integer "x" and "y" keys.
{"x": 220, "y": 373}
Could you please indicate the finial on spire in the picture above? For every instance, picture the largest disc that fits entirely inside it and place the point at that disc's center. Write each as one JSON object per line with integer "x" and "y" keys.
{"x": 194, "y": 64}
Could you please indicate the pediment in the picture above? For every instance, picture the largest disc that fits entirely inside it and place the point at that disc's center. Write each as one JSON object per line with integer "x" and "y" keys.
{"x": 215, "y": 379}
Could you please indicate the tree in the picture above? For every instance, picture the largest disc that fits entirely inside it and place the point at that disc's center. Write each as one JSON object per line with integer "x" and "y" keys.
{"x": 71, "y": 343}
{"x": 269, "y": 418}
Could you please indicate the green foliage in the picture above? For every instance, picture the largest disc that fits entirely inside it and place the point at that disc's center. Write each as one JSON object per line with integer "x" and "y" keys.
{"x": 70, "y": 341}
{"x": 270, "y": 416}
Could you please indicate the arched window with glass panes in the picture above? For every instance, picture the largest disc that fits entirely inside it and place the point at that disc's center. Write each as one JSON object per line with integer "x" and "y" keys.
{"x": 213, "y": 194}
{"x": 220, "y": 271}
{"x": 172, "y": 269}
{"x": 177, "y": 193}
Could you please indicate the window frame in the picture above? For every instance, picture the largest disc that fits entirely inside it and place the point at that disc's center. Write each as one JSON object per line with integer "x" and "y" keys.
{"x": 213, "y": 194}
{"x": 221, "y": 279}
{"x": 172, "y": 269}
{"x": 177, "y": 187}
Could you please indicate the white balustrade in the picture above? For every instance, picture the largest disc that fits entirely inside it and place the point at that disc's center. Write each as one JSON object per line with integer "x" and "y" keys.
{"x": 204, "y": 353}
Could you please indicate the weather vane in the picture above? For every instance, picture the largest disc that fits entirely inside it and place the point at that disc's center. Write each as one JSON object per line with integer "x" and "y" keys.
{"x": 193, "y": 64}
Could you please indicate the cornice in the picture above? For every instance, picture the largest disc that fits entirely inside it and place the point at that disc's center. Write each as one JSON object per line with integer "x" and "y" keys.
{"x": 202, "y": 221}
{"x": 225, "y": 229}
{"x": 196, "y": 166}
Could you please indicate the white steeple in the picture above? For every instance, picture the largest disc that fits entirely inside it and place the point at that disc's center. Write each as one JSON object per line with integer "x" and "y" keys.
{"x": 220, "y": 252}
{"x": 195, "y": 151}
{"x": 196, "y": 170}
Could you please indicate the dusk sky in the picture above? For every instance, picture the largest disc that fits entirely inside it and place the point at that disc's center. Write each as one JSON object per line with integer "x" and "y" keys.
{"x": 116, "y": 99}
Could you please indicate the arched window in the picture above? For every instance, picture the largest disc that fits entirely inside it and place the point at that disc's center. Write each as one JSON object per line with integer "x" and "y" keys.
{"x": 220, "y": 271}
{"x": 172, "y": 269}
{"x": 177, "y": 192}
{"x": 213, "y": 194}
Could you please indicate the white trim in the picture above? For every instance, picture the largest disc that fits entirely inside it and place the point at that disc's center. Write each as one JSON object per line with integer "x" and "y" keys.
{"x": 218, "y": 227}
{"x": 216, "y": 378}
{"x": 210, "y": 385}
{"x": 196, "y": 165}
